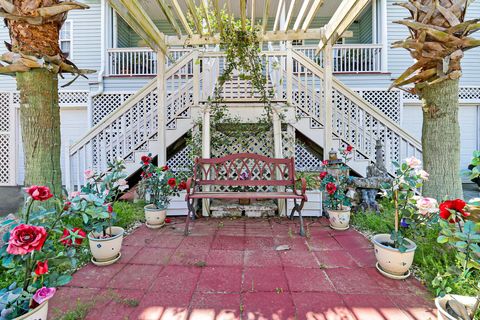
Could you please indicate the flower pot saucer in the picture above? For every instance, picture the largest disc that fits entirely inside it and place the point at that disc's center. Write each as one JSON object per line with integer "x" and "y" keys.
{"x": 106, "y": 263}
{"x": 155, "y": 226}
{"x": 392, "y": 276}
{"x": 340, "y": 229}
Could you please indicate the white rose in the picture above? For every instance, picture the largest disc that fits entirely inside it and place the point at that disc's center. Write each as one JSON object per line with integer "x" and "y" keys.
{"x": 413, "y": 162}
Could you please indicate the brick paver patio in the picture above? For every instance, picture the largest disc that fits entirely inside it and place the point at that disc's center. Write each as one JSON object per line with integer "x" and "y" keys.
{"x": 229, "y": 269}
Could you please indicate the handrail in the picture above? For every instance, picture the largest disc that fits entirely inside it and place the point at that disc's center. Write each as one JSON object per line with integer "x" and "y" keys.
{"x": 108, "y": 120}
{"x": 359, "y": 100}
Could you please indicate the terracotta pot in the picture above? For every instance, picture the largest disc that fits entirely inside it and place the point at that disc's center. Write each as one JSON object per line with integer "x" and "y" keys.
{"x": 391, "y": 260}
{"x": 39, "y": 313}
{"x": 104, "y": 250}
{"x": 441, "y": 303}
{"x": 154, "y": 216}
{"x": 339, "y": 219}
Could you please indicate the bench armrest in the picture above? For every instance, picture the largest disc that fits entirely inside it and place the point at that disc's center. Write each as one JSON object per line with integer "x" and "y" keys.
{"x": 304, "y": 186}
{"x": 190, "y": 186}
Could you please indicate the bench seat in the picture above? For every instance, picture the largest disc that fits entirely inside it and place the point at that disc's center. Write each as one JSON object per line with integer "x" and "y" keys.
{"x": 247, "y": 195}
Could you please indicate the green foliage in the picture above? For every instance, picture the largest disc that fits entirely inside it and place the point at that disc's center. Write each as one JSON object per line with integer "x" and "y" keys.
{"x": 475, "y": 162}
{"x": 334, "y": 182}
{"x": 313, "y": 182}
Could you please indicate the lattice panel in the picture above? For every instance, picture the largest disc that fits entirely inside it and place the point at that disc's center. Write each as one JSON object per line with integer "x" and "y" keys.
{"x": 469, "y": 93}
{"x": 181, "y": 161}
{"x": 5, "y": 161}
{"x": 75, "y": 98}
{"x": 5, "y": 116}
{"x": 389, "y": 102}
{"x": 306, "y": 160}
{"x": 105, "y": 104}
{"x": 7, "y": 151}
{"x": 261, "y": 143}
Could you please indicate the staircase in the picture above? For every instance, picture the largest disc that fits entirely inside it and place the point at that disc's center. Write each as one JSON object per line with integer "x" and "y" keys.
{"x": 131, "y": 131}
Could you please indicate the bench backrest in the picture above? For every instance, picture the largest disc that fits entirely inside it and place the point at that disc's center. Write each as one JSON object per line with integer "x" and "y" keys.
{"x": 244, "y": 169}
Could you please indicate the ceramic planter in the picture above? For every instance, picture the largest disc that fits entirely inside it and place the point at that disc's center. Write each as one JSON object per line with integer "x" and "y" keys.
{"x": 441, "y": 304}
{"x": 339, "y": 219}
{"x": 390, "y": 261}
{"x": 106, "y": 251}
{"x": 39, "y": 313}
{"x": 154, "y": 217}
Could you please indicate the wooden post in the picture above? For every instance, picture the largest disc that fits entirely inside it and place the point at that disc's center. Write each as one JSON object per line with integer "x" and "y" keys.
{"x": 278, "y": 153}
{"x": 206, "y": 154}
{"x": 289, "y": 72}
{"x": 327, "y": 93}
{"x": 162, "y": 141}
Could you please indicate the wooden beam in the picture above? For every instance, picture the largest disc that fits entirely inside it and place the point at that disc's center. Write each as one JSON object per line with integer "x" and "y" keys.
{"x": 327, "y": 96}
{"x": 309, "y": 34}
{"x": 217, "y": 15}
{"x": 277, "y": 16}
{"x": 311, "y": 13}
{"x": 301, "y": 13}
{"x": 181, "y": 16}
{"x": 205, "y": 13}
{"x": 243, "y": 14}
{"x": 161, "y": 117}
{"x": 265, "y": 16}
{"x": 196, "y": 20}
{"x": 252, "y": 20}
{"x": 341, "y": 20}
{"x": 289, "y": 15}
{"x": 135, "y": 16}
{"x": 169, "y": 15}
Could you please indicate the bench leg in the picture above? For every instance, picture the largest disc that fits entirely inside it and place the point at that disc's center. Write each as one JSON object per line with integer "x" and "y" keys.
{"x": 298, "y": 208}
{"x": 191, "y": 211}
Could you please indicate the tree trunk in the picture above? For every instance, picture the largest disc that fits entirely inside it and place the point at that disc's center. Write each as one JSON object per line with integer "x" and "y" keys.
{"x": 441, "y": 140}
{"x": 40, "y": 123}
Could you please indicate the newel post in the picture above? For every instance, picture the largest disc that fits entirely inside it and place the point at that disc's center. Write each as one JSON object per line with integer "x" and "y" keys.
{"x": 278, "y": 152}
{"x": 206, "y": 153}
{"x": 162, "y": 137}
{"x": 327, "y": 93}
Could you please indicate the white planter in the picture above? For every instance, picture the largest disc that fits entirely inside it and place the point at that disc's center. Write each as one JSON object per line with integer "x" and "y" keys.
{"x": 391, "y": 260}
{"x": 339, "y": 219}
{"x": 441, "y": 303}
{"x": 311, "y": 208}
{"x": 106, "y": 250}
{"x": 154, "y": 217}
{"x": 178, "y": 205}
{"x": 39, "y": 313}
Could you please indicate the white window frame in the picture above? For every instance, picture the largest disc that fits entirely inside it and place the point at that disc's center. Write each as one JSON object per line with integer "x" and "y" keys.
{"x": 68, "y": 21}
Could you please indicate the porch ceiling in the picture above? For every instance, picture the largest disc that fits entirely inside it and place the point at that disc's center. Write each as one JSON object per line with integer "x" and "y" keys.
{"x": 291, "y": 18}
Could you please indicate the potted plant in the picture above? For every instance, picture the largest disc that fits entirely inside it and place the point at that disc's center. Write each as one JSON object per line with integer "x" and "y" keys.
{"x": 159, "y": 185}
{"x": 95, "y": 205}
{"x": 31, "y": 256}
{"x": 313, "y": 207}
{"x": 464, "y": 237}
{"x": 334, "y": 181}
{"x": 393, "y": 251}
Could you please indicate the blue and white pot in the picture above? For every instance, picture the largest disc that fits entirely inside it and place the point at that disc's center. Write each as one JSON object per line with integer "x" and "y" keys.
{"x": 39, "y": 313}
{"x": 339, "y": 219}
{"x": 105, "y": 250}
{"x": 154, "y": 217}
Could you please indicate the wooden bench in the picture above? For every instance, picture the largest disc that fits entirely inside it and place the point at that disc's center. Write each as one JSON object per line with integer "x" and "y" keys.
{"x": 215, "y": 178}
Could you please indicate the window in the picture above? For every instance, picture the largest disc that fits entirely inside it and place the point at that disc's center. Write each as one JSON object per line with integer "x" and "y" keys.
{"x": 66, "y": 37}
{"x": 297, "y": 42}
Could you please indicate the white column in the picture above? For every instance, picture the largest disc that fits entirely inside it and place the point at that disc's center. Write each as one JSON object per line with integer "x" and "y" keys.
{"x": 327, "y": 92}
{"x": 162, "y": 137}
{"x": 383, "y": 32}
{"x": 206, "y": 153}
{"x": 278, "y": 153}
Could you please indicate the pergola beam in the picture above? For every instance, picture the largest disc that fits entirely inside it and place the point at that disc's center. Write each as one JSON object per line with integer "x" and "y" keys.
{"x": 265, "y": 16}
{"x": 252, "y": 20}
{"x": 169, "y": 15}
{"x": 181, "y": 16}
{"x": 289, "y": 14}
{"x": 277, "y": 15}
{"x": 243, "y": 14}
{"x": 311, "y": 13}
{"x": 341, "y": 20}
{"x": 217, "y": 15}
{"x": 205, "y": 13}
{"x": 135, "y": 16}
{"x": 301, "y": 13}
{"x": 194, "y": 13}
{"x": 309, "y": 34}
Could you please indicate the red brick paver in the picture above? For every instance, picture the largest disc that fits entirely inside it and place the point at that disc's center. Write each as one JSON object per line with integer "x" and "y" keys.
{"x": 229, "y": 270}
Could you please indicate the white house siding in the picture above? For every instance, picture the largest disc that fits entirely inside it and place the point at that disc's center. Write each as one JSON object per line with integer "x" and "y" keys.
{"x": 399, "y": 59}
{"x": 73, "y": 125}
{"x": 469, "y": 123}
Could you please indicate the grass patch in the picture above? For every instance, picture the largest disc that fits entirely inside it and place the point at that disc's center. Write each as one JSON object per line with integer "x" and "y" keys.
{"x": 431, "y": 258}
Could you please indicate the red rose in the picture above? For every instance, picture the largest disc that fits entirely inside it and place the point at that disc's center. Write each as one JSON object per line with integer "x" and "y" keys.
{"x": 42, "y": 268}
{"x": 109, "y": 208}
{"x": 457, "y": 205}
{"x": 165, "y": 168}
{"x": 168, "y": 220}
{"x": 146, "y": 160}
{"x": 182, "y": 186}
{"x": 25, "y": 238}
{"x": 325, "y": 163}
{"x": 76, "y": 233}
{"x": 331, "y": 188}
{"x": 172, "y": 182}
{"x": 323, "y": 174}
{"x": 349, "y": 149}
{"x": 66, "y": 205}
{"x": 39, "y": 193}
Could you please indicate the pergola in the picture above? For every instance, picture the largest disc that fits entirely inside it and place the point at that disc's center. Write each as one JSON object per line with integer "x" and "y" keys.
{"x": 292, "y": 21}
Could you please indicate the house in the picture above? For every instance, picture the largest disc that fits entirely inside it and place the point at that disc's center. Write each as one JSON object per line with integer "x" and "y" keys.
{"x": 114, "y": 114}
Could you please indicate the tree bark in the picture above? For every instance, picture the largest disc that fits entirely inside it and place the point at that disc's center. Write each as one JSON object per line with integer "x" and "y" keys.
{"x": 40, "y": 123}
{"x": 441, "y": 140}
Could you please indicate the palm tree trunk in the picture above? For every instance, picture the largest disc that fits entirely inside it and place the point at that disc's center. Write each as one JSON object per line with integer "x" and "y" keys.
{"x": 40, "y": 123}
{"x": 441, "y": 140}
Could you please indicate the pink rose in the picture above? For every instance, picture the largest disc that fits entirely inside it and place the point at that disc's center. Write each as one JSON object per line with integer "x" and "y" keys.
{"x": 88, "y": 174}
{"x": 74, "y": 194}
{"x": 39, "y": 193}
{"x": 426, "y": 205}
{"x": 423, "y": 174}
{"x": 43, "y": 294}
{"x": 25, "y": 238}
{"x": 413, "y": 162}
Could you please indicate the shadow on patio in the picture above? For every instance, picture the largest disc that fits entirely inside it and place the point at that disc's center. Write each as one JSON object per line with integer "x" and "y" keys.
{"x": 229, "y": 269}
